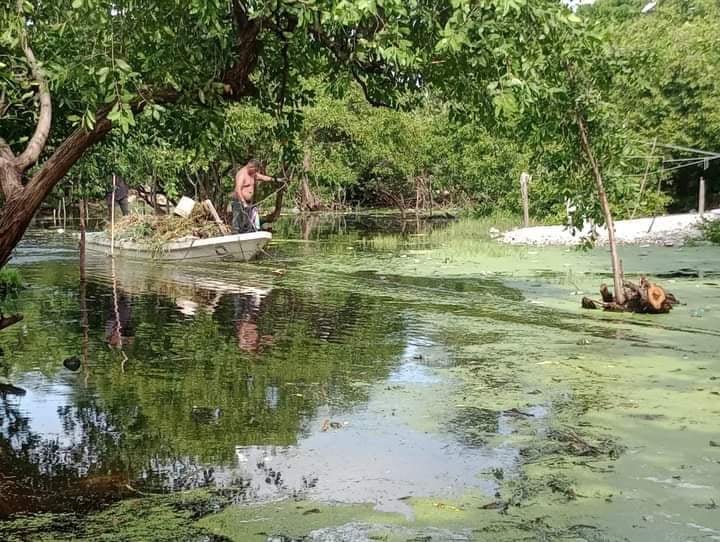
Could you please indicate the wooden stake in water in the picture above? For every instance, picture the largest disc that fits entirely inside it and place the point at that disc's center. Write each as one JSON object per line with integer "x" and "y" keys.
{"x": 701, "y": 197}
{"x": 524, "y": 181}
{"x": 83, "y": 295}
{"x": 112, "y": 218}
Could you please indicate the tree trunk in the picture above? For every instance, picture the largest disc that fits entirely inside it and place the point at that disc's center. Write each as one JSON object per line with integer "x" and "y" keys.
{"x": 398, "y": 201}
{"x": 618, "y": 279}
{"x": 308, "y": 200}
{"x": 524, "y": 194}
{"x": 22, "y": 203}
{"x": 275, "y": 214}
{"x": 417, "y": 196}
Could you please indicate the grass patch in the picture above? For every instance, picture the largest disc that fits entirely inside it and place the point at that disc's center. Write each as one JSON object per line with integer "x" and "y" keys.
{"x": 470, "y": 238}
{"x": 10, "y": 280}
{"x": 462, "y": 238}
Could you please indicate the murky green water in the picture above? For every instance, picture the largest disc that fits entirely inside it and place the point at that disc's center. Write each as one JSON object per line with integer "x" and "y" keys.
{"x": 359, "y": 385}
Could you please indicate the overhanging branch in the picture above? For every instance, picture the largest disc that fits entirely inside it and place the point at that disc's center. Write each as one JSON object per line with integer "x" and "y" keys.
{"x": 42, "y": 129}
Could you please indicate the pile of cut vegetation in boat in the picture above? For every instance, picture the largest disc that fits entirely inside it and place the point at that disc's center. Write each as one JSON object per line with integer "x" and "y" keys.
{"x": 155, "y": 230}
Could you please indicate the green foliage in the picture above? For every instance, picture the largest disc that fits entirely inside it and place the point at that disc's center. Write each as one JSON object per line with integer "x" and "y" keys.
{"x": 485, "y": 60}
{"x": 664, "y": 84}
{"x": 478, "y": 94}
{"x": 10, "y": 280}
{"x": 711, "y": 231}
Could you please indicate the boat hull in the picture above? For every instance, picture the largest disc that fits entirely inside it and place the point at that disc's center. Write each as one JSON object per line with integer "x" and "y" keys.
{"x": 243, "y": 247}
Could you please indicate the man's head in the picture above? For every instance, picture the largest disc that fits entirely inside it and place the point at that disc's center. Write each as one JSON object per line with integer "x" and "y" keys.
{"x": 254, "y": 166}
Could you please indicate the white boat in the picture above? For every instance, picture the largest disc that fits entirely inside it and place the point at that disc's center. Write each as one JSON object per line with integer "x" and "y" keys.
{"x": 242, "y": 246}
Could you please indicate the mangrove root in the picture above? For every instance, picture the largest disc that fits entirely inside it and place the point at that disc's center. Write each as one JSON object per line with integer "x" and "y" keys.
{"x": 645, "y": 297}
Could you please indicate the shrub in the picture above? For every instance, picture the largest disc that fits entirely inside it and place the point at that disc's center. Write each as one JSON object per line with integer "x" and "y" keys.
{"x": 711, "y": 231}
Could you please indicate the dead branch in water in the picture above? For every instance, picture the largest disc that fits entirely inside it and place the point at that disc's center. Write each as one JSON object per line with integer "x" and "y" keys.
{"x": 7, "y": 321}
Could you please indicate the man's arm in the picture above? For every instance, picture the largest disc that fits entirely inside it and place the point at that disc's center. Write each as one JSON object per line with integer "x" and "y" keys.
{"x": 260, "y": 177}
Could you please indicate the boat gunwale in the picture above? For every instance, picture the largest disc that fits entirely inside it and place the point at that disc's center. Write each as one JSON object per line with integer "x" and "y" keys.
{"x": 97, "y": 239}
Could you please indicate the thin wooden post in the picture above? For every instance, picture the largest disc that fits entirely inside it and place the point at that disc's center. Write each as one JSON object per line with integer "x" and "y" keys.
{"x": 83, "y": 292}
{"x": 112, "y": 218}
{"x": 524, "y": 181}
{"x": 701, "y": 197}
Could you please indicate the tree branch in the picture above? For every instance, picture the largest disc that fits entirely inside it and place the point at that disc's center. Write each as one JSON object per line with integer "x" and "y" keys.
{"x": 5, "y": 151}
{"x": 42, "y": 130}
{"x": 7, "y": 321}
{"x": 9, "y": 176}
{"x": 363, "y": 86}
{"x": 237, "y": 76}
{"x": 69, "y": 152}
{"x": 342, "y": 57}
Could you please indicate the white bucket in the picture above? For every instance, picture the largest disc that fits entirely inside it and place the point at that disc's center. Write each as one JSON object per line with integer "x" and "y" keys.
{"x": 184, "y": 207}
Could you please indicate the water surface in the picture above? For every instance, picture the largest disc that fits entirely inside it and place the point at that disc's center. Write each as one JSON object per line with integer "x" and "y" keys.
{"x": 448, "y": 383}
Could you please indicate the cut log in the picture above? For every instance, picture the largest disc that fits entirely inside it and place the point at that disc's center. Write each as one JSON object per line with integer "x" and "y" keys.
{"x": 656, "y": 296}
{"x": 645, "y": 297}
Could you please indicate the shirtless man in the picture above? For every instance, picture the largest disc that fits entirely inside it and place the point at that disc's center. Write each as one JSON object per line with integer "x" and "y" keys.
{"x": 245, "y": 216}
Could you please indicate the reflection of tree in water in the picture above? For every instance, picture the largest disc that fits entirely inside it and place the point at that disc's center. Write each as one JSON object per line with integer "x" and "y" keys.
{"x": 195, "y": 388}
{"x": 40, "y": 473}
{"x": 118, "y": 327}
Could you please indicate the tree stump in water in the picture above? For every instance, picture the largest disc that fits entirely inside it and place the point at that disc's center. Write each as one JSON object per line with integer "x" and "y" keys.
{"x": 645, "y": 297}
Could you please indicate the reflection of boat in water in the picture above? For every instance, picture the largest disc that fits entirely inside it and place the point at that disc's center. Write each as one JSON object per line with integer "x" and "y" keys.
{"x": 242, "y": 246}
{"x": 192, "y": 289}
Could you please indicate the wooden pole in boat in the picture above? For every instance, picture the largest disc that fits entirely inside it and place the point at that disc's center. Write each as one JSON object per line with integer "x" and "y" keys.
{"x": 210, "y": 207}
{"x": 112, "y": 218}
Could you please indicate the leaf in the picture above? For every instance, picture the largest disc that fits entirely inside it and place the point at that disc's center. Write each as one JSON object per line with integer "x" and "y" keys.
{"x": 124, "y": 66}
{"x": 103, "y": 73}
{"x": 77, "y": 4}
{"x": 114, "y": 113}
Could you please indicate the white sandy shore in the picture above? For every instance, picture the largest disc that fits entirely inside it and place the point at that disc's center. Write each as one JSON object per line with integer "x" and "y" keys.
{"x": 670, "y": 229}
